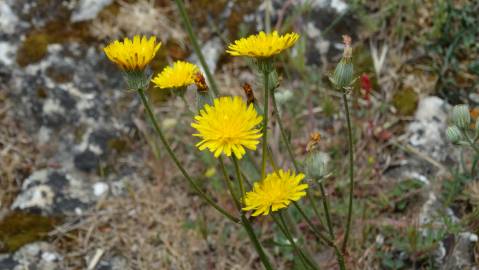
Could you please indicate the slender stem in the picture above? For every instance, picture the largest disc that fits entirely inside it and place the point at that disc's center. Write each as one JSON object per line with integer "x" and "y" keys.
{"x": 244, "y": 221}
{"x": 265, "y": 123}
{"x": 321, "y": 236}
{"x": 195, "y": 186}
{"x": 262, "y": 255}
{"x": 240, "y": 178}
{"x": 470, "y": 141}
{"x": 228, "y": 184}
{"x": 196, "y": 46}
{"x": 326, "y": 210}
{"x": 351, "y": 173}
{"x": 284, "y": 229}
{"x": 283, "y": 133}
{"x": 267, "y": 17}
{"x": 291, "y": 155}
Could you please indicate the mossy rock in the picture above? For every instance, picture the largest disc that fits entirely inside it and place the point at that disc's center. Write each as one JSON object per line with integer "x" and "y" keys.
{"x": 20, "y": 228}
{"x": 33, "y": 49}
{"x": 405, "y": 101}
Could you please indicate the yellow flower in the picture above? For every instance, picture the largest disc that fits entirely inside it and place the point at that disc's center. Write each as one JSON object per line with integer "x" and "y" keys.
{"x": 179, "y": 75}
{"x": 132, "y": 55}
{"x": 276, "y": 191}
{"x": 262, "y": 45}
{"x": 228, "y": 127}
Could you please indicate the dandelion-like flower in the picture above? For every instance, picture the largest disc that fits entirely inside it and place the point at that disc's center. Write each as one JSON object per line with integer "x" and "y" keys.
{"x": 179, "y": 75}
{"x": 229, "y": 126}
{"x": 274, "y": 192}
{"x": 262, "y": 45}
{"x": 132, "y": 55}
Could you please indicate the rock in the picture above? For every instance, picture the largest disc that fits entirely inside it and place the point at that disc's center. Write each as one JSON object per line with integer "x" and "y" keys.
{"x": 86, "y": 161}
{"x": 38, "y": 256}
{"x": 8, "y": 19}
{"x": 461, "y": 256}
{"x": 427, "y": 131}
{"x": 100, "y": 188}
{"x": 88, "y": 9}
{"x": 53, "y": 192}
{"x": 212, "y": 51}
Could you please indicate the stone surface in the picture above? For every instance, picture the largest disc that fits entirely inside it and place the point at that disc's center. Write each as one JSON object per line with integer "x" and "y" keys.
{"x": 54, "y": 192}
{"x": 426, "y": 134}
{"x": 34, "y": 256}
{"x": 88, "y": 9}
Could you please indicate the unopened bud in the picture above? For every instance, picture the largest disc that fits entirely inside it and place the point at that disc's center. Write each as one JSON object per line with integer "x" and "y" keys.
{"x": 137, "y": 80}
{"x": 453, "y": 134}
{"x": 344, "y": 73}
{"x": 316, "y": 165}
{"x": 461, "y": 116}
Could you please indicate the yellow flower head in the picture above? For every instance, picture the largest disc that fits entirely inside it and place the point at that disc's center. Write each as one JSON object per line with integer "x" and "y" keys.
{"x": 132, "y": 55}
{"x": 179, "y": 75}
{"x": 228, "y": 127}
{"x": 276, "y": 191}
{"x": 262, "y": 45}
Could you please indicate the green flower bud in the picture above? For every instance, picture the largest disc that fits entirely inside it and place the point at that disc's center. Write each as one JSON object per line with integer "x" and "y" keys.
{"x": 461, "y": 116}
{"x": 453, "y": 134}
{"x": 137, "y": 80}
{"x": 316, "y": 165}
{"x": 343, "y": 74}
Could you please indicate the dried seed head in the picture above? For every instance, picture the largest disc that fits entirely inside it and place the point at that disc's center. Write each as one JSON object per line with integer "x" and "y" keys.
{"x": 200, "y": 82}
{"x": 248, "y": 90}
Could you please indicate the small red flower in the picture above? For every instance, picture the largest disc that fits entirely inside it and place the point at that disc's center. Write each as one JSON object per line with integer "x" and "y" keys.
{"x": 366, "y": 86}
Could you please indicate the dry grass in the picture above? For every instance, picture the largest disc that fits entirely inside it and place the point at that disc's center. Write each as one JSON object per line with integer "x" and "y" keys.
{"x": 17, "y": 153}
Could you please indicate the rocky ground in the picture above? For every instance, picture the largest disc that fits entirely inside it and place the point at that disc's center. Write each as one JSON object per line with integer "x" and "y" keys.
{"x": 81, "y": 188}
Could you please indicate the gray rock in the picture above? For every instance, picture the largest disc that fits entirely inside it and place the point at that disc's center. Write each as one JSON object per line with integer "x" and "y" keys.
{"x": 54, "y": 192}
{"x": 88, "y": 9}
{"x": 34, "y": 256}
{"x": 426, "y": 132}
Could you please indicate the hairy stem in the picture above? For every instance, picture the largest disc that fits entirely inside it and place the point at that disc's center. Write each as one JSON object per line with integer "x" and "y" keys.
{"x": 351, "y": 173}
{"x": 196, "y": 46}
{"x": 195, "y": 186}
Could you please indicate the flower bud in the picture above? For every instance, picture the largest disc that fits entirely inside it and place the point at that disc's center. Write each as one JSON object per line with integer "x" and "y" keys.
{"x": 137, "y": 80}
{"x": 316, "y": 165}
{"x": 453, "y": 134}
{"x": 343, "y": 75}
{"x": 203, "y": 96}
{"x": 461, "y": 116}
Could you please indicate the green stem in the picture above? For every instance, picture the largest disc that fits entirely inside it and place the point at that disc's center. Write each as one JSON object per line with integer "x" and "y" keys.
{"x": 351, "y": 173}
{"x": 283, "y": 133}
{"x": 284, "y": 229}
{"x": 291, "y": 155}
{"x": 326, "y": 210}
{"x": 262, "y": 255}
{"x": 240, "y": 178}
{"x": 321, "y": 236}
{"x": 195, "y": 186}
{"x": 470, "y": 141}
{"x": 228, "y": 184}
{"x": 196, "y": 46}
{"x": 265, "y": 123}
